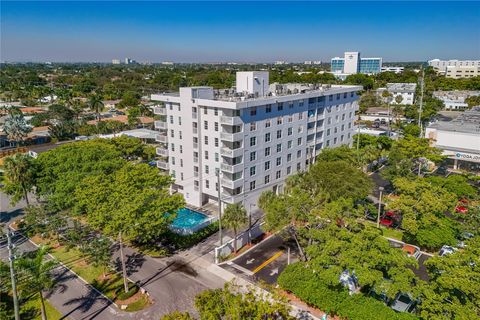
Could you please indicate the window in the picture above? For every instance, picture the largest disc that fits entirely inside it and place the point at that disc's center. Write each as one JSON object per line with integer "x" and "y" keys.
{"x": 290, "y": 119}
{"x": 267, "y": 165}
{"x": 289, "y": 131}
{"x": 207, "y": 169}
{"x": 253, "y": 156}
{"x": 289, "y": 170}
{"x": 335, "y": 130}
{"x": 341, "y": 138}
{"x": 216, "y": 126}
{"x": 172, "y": 134}
{"x": 267, "y": 151}
{"x": 279, "y": 147}
{"x": 194, "y": 109}
{"x": 343, "y": 127}
{"x": 253, "y": 170}
{"x": 335, "y": 140}
{"x": 267, "y": 179}
{"x": 268, "y": 109}
{"x": 206, "y": 155}
{"x": 207, "y": 184}
{"x": 300, "y": 103}
{"x": 173, "y": 160}
{"x": 253, "y": 111}
{"x": 253, "y": 141}
{"x": 181, "y": 176}
{"x": 181, "y": 163}
{"x": 290, "y": 105}
{"x": 170, "y": 106}
{"x": 338, "y": 96}
{"x": 300, "y": 116}
{"x": 299, "y": 166}
{"x": 216, "y": 142}
{"x": 300, "y": 129}
{"x": 289, "y": 157}
{"x": 279, "y": 120}
{"x": 328, "y": 132}
{"x": 289, "y": 144}
{"x": 343, "y": 116}
{"x": 327, "y": 143}
{"x": 252, "y": 185}
{"x": 351, "y": 94}
{"x": 181, "y": 149}
{"x": 171, "y": 119}
{"x": 278, "y": 174}
{"x": 180, "y": 135}
{"x": 217, "y": 157}
{"x": 299, "y": 141}
{"x": 180, "y": 120}
{"x": 173, "y": 173}
{"x": 329, "y": 120}
{"x": 267, "y": 137}
{"x": 299, "y": 153}
{"x": 279, "y": 161}
{"x": 172, "y": 146}
{"x": 280, "y": 106}
{"x": 345, "y": 95}
{"x": 279, "y": 134}
{"x": 268, "y": 123}
{"x": 215, "y": 111}
{"x": 205, "y": 124}
{"x": 253, "y": 126}
{"x": 330, "y": 97}
{"x": 349, "y": 125}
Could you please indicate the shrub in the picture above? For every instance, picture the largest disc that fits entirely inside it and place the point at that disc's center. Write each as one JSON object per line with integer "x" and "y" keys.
{"x": 132, "y": 289}
{"x": 305, "y": 285}
{"x": 183, "y": 242}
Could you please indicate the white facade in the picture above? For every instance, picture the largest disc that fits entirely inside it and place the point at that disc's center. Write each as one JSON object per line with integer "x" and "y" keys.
{"x": 456, "y": 68}
{"x": 115, "y": 61}
{"x": 352, "y": 60}
{"x": 405, "y": 90}
{"x": 252, "y": 82}
{"x": 254, "y": 142}
{"x": 454, "y": 100}
{"x": 393, "y": 69}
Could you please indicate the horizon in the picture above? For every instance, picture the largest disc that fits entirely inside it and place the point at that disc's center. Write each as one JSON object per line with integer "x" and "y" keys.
{"x": 213, "y": 32}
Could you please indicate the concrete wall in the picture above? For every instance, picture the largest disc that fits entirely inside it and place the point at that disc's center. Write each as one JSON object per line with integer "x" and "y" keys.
{"x": 242, "y": 239}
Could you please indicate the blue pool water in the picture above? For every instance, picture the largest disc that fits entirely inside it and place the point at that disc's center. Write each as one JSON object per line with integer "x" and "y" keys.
{"x": 188, "y": 219}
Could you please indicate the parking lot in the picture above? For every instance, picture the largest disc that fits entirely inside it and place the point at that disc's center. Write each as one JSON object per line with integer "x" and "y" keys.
{"x": 264, "y": 262}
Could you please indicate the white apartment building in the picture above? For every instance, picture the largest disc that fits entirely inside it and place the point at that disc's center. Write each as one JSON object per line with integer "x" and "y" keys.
{"x": 393, "y": 69}
{"x": 405, "y": 90}
{"x": 456, "y": 68}
{"x": 255, "y": 135}
{"x": 455, "y": 100}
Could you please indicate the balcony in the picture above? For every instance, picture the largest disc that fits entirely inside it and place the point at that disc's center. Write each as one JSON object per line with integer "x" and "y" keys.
{"x": 321, "y": 116}
{"x": 231, "y": 153}
{"x": 231, "y": 168}
{"x": 162, "y": 164}
{"x": 160, "y": 125}
{"x": 161, "y": 138}
{"x": 230, "y": 184}
{"x": 162, "y": 152}
{"x": 311, "y": 130}
{"x": 231, "y": 121}
{"x": 231, "y": 136}
{"x": 160, "y": 111}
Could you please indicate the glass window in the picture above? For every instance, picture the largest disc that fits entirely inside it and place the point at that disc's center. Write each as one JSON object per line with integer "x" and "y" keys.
{"x": 289, "y": 170}
{"x": 206, "y": 155}
{"x": 267, "y": 151}
{"x": 289, "y": 144}
{"x": 253, "y": 111}
{"x": 278, "y": 174}
{"x": 205, "y": 124}
{"x": 289, "y": 157}
{"x": 217, "y": 157}
{"x": 279, "y": 134}
{"x": 252, "y": 185}
{"x": 299, "y": 141}
{"x": 216, "y": 126}
{"x": 253, "y": 170}
{"x": 279, "y": 120}
{"x": 253, "y": 126}
{"x": 267, "y": 165}
{"x": 289, "y": 131}
{"x": 267, "y": 137}
{"x": 268, "y": 123}
{"x": 280, "y": 106}
{"x": 268, "y": 109}
{"x": 279, "y": 161}
{"x": 253, "y": 141}
{"x": 267, "y": 179}
{"x": 253, "y": 156}
{"x": 216, "y": 142}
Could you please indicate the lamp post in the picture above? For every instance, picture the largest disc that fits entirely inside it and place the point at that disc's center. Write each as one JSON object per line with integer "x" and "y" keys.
{"x": 250, "y": 223}
{"x": 379, "y": 206}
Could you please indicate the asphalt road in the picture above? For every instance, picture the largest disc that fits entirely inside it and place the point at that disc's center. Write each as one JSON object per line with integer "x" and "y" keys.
{"x": 265, "y": 261}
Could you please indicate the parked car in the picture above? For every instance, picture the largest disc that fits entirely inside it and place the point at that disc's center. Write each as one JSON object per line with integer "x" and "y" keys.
{"x": 446, "y": 250}
{"x": 390, "y": 219}
{"x": 461, "y": 209}
{"x": 403, "y": 303}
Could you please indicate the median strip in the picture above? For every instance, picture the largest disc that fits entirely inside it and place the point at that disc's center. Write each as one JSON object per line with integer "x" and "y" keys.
{"x": 260, "y": 267}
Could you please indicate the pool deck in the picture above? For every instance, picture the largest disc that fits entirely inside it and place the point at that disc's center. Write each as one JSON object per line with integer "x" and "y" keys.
{"x": 210, "y": 209}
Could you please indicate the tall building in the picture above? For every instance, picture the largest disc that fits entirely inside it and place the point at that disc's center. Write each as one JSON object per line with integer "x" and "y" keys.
{"x": 115, "y": 61}
{"x": 456, "y": 68}
{"x": 255, "y": 135}
{"x": 352, "y": 63}
{"x": 130, "y": 61}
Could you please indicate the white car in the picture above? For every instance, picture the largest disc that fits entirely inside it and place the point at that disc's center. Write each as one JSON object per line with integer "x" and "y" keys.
{"x": 446, "y": 250}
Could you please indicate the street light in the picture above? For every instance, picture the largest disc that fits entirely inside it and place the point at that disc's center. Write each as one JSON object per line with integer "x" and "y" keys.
{"x": 250, "y": 223}
{"x": 379, "y": 206}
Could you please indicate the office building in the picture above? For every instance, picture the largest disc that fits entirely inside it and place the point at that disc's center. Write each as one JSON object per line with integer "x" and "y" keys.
{"x": 393, "y": 69}
{"x": 456, "y": 68}
{"x": 255, "y": 135}
{"x": 115, "y": 61}
{"x": 130, "y": 61}
{"x": 352, "y": 63}
{"x": 459, "y": 139}
{"x": 404, "y": 90}
{"x": 455, "y": 100}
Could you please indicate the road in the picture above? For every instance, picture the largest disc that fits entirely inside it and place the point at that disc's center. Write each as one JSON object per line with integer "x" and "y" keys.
{"x": 171, "y": 282}
{"x": 265, "y": 261}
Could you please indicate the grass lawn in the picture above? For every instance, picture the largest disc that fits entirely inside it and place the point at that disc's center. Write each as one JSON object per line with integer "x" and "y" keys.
{"x": 138, "y": 305}
{"x": 30, "y": 310}
{"x": 387, "y": 232}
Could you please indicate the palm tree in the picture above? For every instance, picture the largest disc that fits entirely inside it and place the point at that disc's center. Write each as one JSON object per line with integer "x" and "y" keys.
{"x": 18, "y": 176}
{"x": 38, "y": 273}
{"x": 234, "y": 217}
{"x": 95, "y": 103}
{"x": 15, "y": 126}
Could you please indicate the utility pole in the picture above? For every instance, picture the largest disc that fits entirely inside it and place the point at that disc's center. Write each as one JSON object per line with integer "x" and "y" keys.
{"x": 379, "y": 207}
{"x": 11, "y": 259}
{"x": 219, "y": 209}
{"x": 124, "y": 269}
{"x": 421, "y": 103}
{"x": 358, "y": 138}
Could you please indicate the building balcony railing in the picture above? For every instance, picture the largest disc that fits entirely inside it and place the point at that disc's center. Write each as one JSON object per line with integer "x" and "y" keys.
{"x": 232, "y": 121}
{"x": 231, "y": 184}
{"x": 195, "y": 130}
{"x": 162, "y": 164}
{"x": 231, "y": 153}
{"x": 231, "y": 168}
{"x": 311, "y": 130}
{"x": 162, "y": 152}
{"x": 228, "y": 198}
{"x": 160, "y": 125}
{"x": 161, "y": 138}
{"x": 320, "y": 116}
{"x": 160, "y": 111}
{"x": 231, "y": 136}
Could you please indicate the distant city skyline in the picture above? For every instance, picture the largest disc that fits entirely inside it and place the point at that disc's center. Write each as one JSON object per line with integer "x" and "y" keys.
{"x": 207, "y": 32}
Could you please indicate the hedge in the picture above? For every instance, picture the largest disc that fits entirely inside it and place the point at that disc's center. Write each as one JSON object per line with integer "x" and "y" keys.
{"x": 183, "y": 242}
{"x": 132, "y": 289}
{"x": 303, "y": 283}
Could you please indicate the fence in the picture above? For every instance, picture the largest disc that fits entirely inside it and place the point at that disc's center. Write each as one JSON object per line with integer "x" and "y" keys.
{"x": 193, "y": 229}
{"x": 242, "y": 240}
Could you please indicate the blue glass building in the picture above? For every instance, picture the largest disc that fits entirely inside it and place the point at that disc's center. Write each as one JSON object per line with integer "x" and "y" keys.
{"x": 352, "y": 63}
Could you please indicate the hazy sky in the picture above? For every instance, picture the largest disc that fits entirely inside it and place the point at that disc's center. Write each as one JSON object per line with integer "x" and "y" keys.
{"x": 237, "y": 31}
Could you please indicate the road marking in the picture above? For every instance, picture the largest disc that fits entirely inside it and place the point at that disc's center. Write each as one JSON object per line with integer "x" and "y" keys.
{"x": 250, "y": 261}
{"x": 274, "y": 271}
{"x": 242, "y": 269}
{"x": 260, "y": 267}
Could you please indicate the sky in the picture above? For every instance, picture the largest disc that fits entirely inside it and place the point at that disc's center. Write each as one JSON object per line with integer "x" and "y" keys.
{"x": 237, "y": 31}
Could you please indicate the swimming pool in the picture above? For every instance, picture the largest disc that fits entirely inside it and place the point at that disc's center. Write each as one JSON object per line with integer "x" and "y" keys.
{"x": 189, "y": 221}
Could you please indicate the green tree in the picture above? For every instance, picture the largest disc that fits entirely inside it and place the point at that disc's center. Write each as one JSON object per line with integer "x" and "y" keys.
{"x": 19, "y": 177}
{"x": 98, "y": 251}
{"x": 38, "y": 272}
{"x": 15, "y": 126}
{"x": 368, "y": 99}
{"x": 361, "y": 79}
{"x": 177, "y": 315}
{"x": 473, "y": 101}
{"x": 456, "y": 184}
{"x": 95, "y": 104}
{"x": 234, "y": 217}
{"x": 398, "y": 99}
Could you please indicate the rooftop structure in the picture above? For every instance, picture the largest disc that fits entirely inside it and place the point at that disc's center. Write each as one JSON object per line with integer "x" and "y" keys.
{"x": 255, "y": 135}
{"x": 455, "y": 100}
{"x": 456, "y": 68}
{"x": 393, "y": 69}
